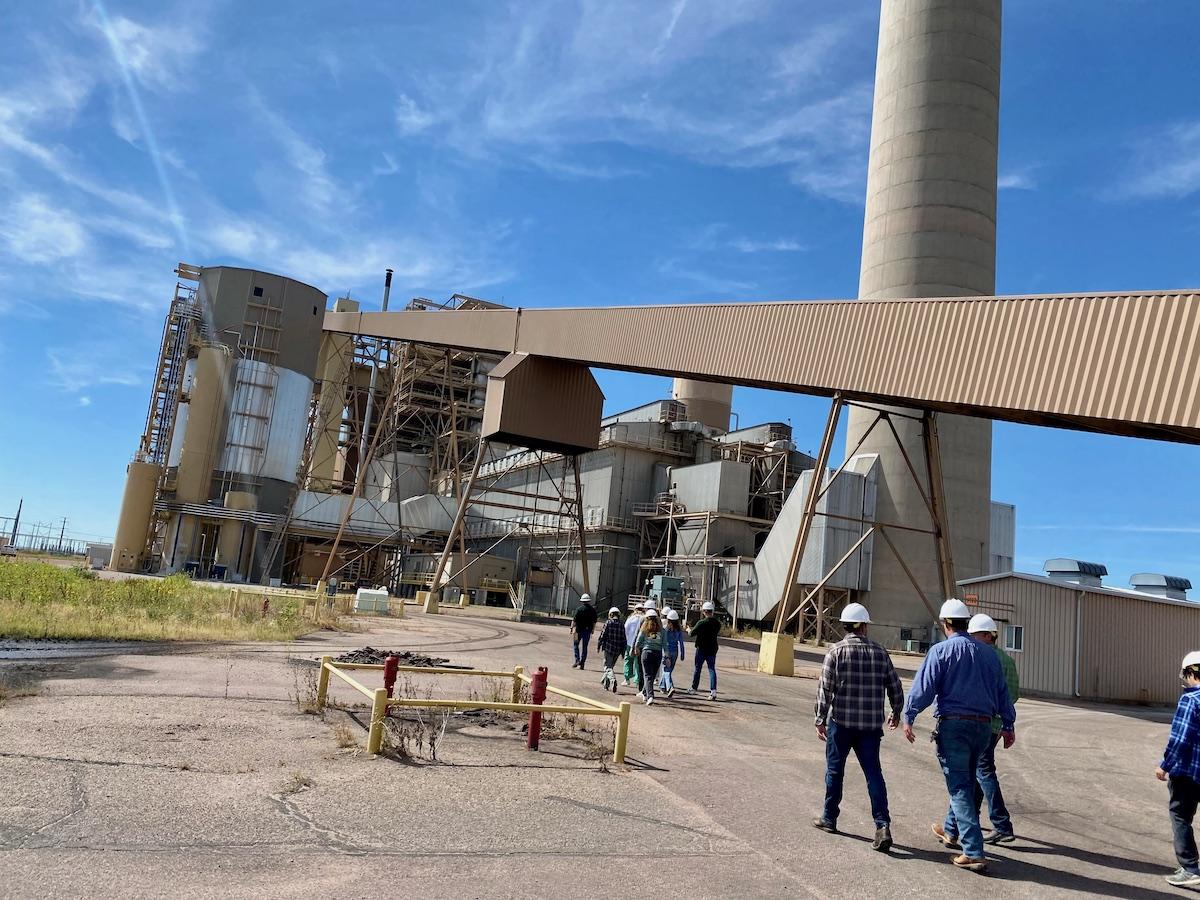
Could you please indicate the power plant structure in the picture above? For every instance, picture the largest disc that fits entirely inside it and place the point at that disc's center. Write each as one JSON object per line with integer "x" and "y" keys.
{"x": 361, "y": 447}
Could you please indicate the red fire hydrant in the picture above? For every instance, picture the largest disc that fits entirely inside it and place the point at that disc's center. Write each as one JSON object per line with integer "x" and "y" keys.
{"x": 537, "y": 691}
{"x": 390, "y": 664}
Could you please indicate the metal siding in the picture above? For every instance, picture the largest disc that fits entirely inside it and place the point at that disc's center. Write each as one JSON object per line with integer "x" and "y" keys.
{"x": 1047, "y": 613}
{"x": 543, "y": 403}
{"x": 1135, "y": 375}
{"x": 1132, "y": 647}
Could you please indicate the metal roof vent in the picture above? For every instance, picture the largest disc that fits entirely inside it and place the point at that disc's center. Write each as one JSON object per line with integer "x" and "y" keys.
{"x": 1076, "y": 571}
{"x": 1170, "y": 586}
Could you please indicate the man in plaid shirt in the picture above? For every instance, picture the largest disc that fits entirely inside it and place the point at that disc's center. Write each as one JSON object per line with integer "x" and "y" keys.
{"x": 849, "y": 716}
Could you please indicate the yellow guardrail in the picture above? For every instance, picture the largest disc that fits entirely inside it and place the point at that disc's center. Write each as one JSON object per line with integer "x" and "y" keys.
{"x": 380, "y": 701}
{"x": 312, "y": 606}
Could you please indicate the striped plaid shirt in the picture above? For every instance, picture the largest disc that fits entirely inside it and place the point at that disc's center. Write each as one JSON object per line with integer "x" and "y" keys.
{"x": 1182, "y": 756}
{"x": 856, "y": 674}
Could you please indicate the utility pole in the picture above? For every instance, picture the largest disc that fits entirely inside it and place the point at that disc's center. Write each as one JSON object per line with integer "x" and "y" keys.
{"x": 62, "y": 531}
{"x": 13, "y": 537}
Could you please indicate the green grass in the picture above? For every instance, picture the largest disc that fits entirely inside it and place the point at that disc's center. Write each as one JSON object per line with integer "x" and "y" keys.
{"x": 38, "y": 600}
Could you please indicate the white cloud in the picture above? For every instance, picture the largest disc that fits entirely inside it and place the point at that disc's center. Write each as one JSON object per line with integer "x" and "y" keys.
{"x": 159, "y": 56}
{"x": 314, "y": 187}
{"x": 85, "y": 401}
{"x": 78, "y": 368}
{"x": 36, "y": 231}
{"x": 1167, "y": 165}
{"x": 779, "y": 245}
{"x": 410, "y": 118}
{"x": 1018, "y": 180}
{"x": 716, "y": 237}
{"x": 687, "y": 80}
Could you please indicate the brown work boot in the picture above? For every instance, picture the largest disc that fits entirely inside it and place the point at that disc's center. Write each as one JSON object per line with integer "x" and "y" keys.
{"x": 950, "y": 840}
{"x": 971, "y": 864}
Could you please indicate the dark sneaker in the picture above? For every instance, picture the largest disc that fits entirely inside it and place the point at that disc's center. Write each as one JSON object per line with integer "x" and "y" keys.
{"x": 825, "y": 825}
{"x": 1183, "y": 878}
{"x": 575, "y": 665}
{"x": 883, "y": 839}
{"x": 999, "y": 837}
{"x": 950, "y": 840}
{"x": 970, "y": 863}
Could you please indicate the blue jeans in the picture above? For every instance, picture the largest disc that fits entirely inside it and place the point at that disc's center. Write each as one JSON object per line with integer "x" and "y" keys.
{"x": 701, "y": 659}
{"x": 987, "y": 787}
{"x": 579, "y": 643}
{"x": 960, "y": 746}
{"x": 865, "y": 744}
{"x": 1184, "y": 795}
{"x": 667, "y": 682}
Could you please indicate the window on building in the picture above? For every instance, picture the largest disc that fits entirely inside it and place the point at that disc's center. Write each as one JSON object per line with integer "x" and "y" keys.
{"x": 1014, "y": 638}
{"x": 258, "y": 292}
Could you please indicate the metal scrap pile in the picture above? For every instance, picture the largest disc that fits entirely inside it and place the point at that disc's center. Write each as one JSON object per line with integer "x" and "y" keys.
{"x": 371, "y": 656}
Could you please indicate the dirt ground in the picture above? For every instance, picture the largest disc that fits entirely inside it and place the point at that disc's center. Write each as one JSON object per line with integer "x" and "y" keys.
{"x": 190, "y": 770}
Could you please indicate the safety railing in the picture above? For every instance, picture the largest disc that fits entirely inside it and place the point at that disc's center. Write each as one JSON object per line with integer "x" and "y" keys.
{"x": 381, "y": 701}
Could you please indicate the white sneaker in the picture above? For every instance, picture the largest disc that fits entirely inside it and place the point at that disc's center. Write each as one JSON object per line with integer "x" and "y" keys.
{"x": 649, "y": 701}
{"x": 691, "y": 690}
{"x": 626, "y": 682}
{"x": 712, "y": 695}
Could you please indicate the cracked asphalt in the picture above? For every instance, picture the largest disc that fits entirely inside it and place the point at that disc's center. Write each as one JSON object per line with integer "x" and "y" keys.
{"x": 190, "y": 770}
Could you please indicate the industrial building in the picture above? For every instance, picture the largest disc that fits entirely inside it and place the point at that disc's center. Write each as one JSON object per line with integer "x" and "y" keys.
{"x": 1072, "y": 636}
{"x": 276, "y": 452}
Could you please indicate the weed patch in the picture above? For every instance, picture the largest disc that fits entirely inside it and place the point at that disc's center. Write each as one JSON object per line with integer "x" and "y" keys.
{"x": 38, "y": 600}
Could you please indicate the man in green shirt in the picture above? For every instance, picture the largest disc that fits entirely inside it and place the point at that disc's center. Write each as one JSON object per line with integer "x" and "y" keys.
{"x": 983, "y": 628}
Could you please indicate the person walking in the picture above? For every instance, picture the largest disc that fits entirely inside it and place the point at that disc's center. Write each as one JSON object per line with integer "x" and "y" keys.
{"x": 613, "y": 644}
{"x": 633, "y": 625}
{"x": 649, "y": 646}
{"x": 1180, "y": 769}
{"x": 674, "y": 651}
{"x": 983, "y": 628}
{"x": 583, "y": 623}
{"x": 706, "y": 633}
{"x": 963, "y": 679}
{"x": 856, "y": 675}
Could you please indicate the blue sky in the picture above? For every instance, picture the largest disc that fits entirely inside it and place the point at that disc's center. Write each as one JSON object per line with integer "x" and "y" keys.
{"x": 557, "y": 153}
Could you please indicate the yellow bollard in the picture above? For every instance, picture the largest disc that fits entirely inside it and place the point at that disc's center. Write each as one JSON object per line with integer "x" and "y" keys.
{"x": 378, "y": 711}
{"x": 323, "y": 682}
{"x": 518, "y": 671}
{"x": 622, "y": 734}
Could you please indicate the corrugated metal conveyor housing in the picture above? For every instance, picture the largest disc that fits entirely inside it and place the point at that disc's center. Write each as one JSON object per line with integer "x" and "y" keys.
{"x": 1113, "y": 363}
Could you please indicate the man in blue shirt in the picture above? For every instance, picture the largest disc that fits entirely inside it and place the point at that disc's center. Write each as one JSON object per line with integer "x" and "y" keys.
{"x": 962, "y": 678}
{"x": 1180, "y": 768}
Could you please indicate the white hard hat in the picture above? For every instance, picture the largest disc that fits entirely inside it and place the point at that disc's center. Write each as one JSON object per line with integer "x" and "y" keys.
{"x": 586, "y": 598}
{"x": 856, "y": 612}
{"x": 1192, "y": 659}
{"x": 954, "y": 609}
{"x": 707, "y": 606}
{"x": 652, "y": 613}
{"x": 650, "y": 604}
{"x": 639, "y": 605}
{"x": 981, "y": 622}
{"x": 672, "y": 615}
{"x": 614, "y": 610}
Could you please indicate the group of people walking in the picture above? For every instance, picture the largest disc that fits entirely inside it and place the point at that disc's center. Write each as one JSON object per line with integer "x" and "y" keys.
{"x": 649, "y": 643}
{"x": 971, "y": 684}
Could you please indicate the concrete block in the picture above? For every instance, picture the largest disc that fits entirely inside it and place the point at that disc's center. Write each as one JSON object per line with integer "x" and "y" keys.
{"x": 776, "y": 654}
{"x": 431, "y": 601}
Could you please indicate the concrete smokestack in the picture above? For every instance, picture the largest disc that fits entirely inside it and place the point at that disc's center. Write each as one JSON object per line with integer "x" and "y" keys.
{"x": 930, "y": 231}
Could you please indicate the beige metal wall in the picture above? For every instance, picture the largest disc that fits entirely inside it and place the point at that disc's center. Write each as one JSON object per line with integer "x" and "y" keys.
{"x": 1128, "y": 648}
{"x": 707, "y": 402}
{"x": 543, "y": 404}
{"x": 1047, "y": 612}
{"x": 133, "y": 525}
{"x": 1132, "y": 648}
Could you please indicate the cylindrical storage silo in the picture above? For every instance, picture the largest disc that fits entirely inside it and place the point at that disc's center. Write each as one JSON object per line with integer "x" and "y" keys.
{"x": 232, "y": 541}
{"x": 709, "y": 403}
{"x": 205, "y": 425}
{"x": 137, "y": 508}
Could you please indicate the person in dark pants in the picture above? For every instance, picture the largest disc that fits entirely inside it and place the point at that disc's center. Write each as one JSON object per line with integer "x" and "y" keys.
{"x": 583, "y": 623}
{"x": 983, "y": 628}
{"x": 1180, "y": 768}
{"x": 855, "y": 676}
{"x": 612, "y": 642}
{"x": 964, "y": 679}
{"x": 705, "y": 633}
{"x": 649, "y": 646}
